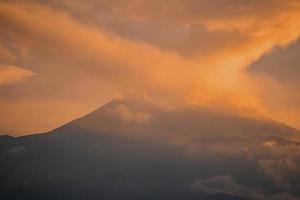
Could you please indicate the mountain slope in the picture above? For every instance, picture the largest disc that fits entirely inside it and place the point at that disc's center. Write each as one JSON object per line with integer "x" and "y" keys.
{"x": 132, "y": 149}
{"x": 141, "y": 118}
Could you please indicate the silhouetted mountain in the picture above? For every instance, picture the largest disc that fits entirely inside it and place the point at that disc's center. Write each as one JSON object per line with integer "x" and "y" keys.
{"x": 140, "y": 117}
{"x": 133, "y": 149}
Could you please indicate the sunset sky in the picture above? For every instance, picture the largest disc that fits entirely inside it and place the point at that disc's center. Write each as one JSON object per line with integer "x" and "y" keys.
{"x": 61, "y": 59}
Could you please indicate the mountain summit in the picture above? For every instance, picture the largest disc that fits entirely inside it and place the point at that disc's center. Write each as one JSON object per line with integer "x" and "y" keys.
{"x": 127, "y": 116}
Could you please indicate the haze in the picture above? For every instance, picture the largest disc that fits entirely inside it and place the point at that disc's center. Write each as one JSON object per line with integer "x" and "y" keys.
{"x": 160, "y": 99}
{"x": 63, "y": 59}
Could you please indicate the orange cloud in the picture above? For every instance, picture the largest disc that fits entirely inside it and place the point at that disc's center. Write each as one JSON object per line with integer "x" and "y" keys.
{"x": 78, "y": 55}
{"x": 11, "y": 74}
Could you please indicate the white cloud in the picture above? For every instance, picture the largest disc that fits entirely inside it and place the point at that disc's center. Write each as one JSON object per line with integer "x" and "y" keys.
{"x": 130, "y": 116}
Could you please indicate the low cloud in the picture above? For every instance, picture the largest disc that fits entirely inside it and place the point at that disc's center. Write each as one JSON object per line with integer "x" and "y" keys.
{"x": 226, "y": 184}
{"x": 127, "y": 115}
{"x": 16, "y": 150}
{"x": 270, "y": 164}
{"x": 218, "y": 184}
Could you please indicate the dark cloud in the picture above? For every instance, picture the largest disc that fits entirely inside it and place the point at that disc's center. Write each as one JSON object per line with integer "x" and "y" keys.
{"x": 283, "y": 64}
{"x": 280, "y": 93}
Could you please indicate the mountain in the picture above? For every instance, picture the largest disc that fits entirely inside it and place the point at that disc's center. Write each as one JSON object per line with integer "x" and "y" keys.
{"x": 128, "y": 116}
{"x": 133, "y": 149}
{"x": 141, "y": 118}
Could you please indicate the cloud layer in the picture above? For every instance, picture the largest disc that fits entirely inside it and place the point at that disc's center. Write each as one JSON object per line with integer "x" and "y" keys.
{"x": 173, "y": 52}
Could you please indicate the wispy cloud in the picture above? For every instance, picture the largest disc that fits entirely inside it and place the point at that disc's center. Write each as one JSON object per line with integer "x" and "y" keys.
{"x": 176, "y": 51}
{"x": 10, "y": 74}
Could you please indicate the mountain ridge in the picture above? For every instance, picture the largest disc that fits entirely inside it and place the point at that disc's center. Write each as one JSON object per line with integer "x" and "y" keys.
{"x": 140, "y": 116}
{"x": 137, "y": 112}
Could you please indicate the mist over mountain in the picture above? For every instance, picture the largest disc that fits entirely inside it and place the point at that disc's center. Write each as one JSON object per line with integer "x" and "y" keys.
{"x": 139, "y": 117}
{"x": 133, "y": 149}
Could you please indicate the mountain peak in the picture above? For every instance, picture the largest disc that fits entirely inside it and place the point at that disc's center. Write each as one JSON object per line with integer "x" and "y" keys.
{"x": 132, "y": 104}
{"x": 117, "y": 116}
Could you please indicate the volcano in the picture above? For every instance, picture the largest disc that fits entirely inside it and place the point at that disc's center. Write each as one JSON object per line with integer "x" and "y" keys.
{"x": 133, "y": 149}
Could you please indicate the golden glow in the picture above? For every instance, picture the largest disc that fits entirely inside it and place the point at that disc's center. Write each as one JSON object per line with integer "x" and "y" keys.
{"x": 80, "y": 62}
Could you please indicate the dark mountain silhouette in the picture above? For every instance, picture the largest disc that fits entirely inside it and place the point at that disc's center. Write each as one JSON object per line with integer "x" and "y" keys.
{"x": 133, "y": 149}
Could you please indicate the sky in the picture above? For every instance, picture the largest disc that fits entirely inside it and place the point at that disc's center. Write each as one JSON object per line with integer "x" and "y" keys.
{"x": 62, "y": 59}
